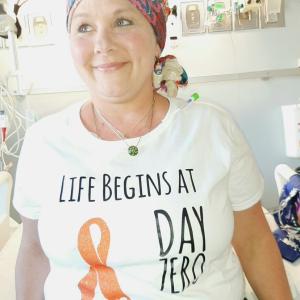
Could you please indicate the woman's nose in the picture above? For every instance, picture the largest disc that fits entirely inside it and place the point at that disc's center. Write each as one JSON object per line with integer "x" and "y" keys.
{"x": 103, "y": 41}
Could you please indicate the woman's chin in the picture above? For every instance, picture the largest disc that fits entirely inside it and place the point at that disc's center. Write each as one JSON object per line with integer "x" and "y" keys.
{"x": 112, "y": 95}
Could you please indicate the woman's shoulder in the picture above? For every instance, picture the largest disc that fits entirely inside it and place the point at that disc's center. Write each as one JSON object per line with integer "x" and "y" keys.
{"x": 203, "y": 109}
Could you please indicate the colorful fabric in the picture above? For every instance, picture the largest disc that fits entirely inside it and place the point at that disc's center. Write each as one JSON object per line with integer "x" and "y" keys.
{"x": 288, "y": 220}
{"x": 289, "y": 200}
{"x": 155, "y": 12}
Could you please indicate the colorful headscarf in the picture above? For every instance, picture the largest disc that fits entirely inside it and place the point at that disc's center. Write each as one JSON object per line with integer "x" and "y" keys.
{"x": 155, "y": 12}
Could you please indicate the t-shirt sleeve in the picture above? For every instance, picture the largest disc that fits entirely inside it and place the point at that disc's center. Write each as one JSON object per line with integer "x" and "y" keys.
{"x": 246, "y": 184}
{"x": 25, "y": 196}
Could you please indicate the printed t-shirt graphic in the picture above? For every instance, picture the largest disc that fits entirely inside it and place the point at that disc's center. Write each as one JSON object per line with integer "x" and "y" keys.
{"x": 99, "y": 272}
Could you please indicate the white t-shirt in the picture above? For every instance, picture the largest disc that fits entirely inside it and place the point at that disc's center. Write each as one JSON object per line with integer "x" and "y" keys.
{"x": 155, "y": 226}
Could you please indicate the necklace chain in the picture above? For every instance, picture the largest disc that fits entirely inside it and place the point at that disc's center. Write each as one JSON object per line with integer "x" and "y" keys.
{"x": 132, "y": 149}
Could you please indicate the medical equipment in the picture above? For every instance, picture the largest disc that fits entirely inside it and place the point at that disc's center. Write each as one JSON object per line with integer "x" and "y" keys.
{"x": 3, "y": 125}
{"x": 194, "y": 97}
{"x": 272, "y": 10}
{"x": 7, "y": 22}
{"x": 192, "y": 14}
{"x": 6, "y": 182}
{"x": 219, "y": 15}
{"x": 217, "y": 10}
{"x": 13, "y": 124}
{"x": 291, "y": 127}
{"x": 173, "y": 27}
{"x": 248, "y": 6}
{"x": 10, "y": 29}
{"x": 12, "y": 121}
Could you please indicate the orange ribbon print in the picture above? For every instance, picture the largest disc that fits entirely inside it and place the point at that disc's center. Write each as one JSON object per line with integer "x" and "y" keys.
{"x": 96, "y": 259}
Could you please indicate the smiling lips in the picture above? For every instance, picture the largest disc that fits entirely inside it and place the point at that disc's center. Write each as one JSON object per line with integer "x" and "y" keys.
{"x": 109, "y": 67}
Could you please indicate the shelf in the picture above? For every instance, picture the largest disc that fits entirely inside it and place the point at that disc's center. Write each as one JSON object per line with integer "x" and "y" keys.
{"x": 264, "y": 75}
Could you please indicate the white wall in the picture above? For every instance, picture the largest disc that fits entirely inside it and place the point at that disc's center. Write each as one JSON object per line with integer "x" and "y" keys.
{"x": 242, "y": 51}
{"x": 47, "y": 68}
{"x": 254, "y": 103}
{"x": 201, "y": 55}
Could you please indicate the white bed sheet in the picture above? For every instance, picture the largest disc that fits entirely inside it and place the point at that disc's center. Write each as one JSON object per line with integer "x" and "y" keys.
{"x": 292, "y": 269}
{"x": 8, "y": 255}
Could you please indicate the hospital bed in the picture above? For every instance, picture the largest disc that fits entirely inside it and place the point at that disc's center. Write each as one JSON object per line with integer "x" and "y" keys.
{"x": 282, "y": 174}
{"x": 11, "y": 233}
{"x": 6, "y": 183}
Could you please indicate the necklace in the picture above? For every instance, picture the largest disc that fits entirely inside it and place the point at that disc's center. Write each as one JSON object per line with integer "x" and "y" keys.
{"x": 133, "y": 150}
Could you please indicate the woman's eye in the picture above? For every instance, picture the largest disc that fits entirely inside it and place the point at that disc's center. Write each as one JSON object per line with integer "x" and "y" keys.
{"x": 123, "y": 22}
{"x": 84, "y": 28}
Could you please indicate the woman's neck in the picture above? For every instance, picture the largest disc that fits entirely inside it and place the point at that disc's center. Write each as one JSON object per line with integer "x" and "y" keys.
{"x": 124, "y": 112}
{"x": 131, "y": 118}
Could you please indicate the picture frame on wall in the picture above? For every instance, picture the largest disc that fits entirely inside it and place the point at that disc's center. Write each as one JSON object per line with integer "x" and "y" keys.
{"x": 37, "y": 30}
{"x": 40, "y": 29}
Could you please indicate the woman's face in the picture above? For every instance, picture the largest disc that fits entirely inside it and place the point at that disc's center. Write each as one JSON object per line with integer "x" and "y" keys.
{"x": 113, "y": 47}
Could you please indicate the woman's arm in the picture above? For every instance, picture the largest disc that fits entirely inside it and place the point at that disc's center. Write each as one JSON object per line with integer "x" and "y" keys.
{"x": 32, "y": 266}
{"x": 259, "y": 255}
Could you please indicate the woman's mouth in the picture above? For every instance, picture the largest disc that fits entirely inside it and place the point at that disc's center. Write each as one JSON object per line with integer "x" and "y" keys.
{"x": 109, "y": 66}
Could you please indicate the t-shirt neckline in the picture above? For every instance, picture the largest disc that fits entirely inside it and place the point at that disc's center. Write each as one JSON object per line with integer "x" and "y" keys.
{"x": 92, "y": 139}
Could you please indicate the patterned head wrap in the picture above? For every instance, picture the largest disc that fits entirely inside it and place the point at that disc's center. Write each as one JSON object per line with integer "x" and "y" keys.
{"x": 155, "y": 12}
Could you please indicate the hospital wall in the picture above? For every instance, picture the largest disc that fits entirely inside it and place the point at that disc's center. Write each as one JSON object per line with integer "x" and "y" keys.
{"x": 255, "y": 103}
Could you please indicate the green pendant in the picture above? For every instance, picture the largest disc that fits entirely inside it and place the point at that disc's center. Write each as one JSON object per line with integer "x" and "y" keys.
{"x": 133, "y": 150}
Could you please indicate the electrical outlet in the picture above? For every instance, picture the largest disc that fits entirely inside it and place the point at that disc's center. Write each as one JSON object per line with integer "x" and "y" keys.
{"x": 272, "y": 18}
{"x": 246, "y": 20}
{"x": 192, "y": 17}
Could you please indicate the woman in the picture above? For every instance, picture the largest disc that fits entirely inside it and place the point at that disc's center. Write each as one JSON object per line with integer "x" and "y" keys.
{"x": 132, "y": 195}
